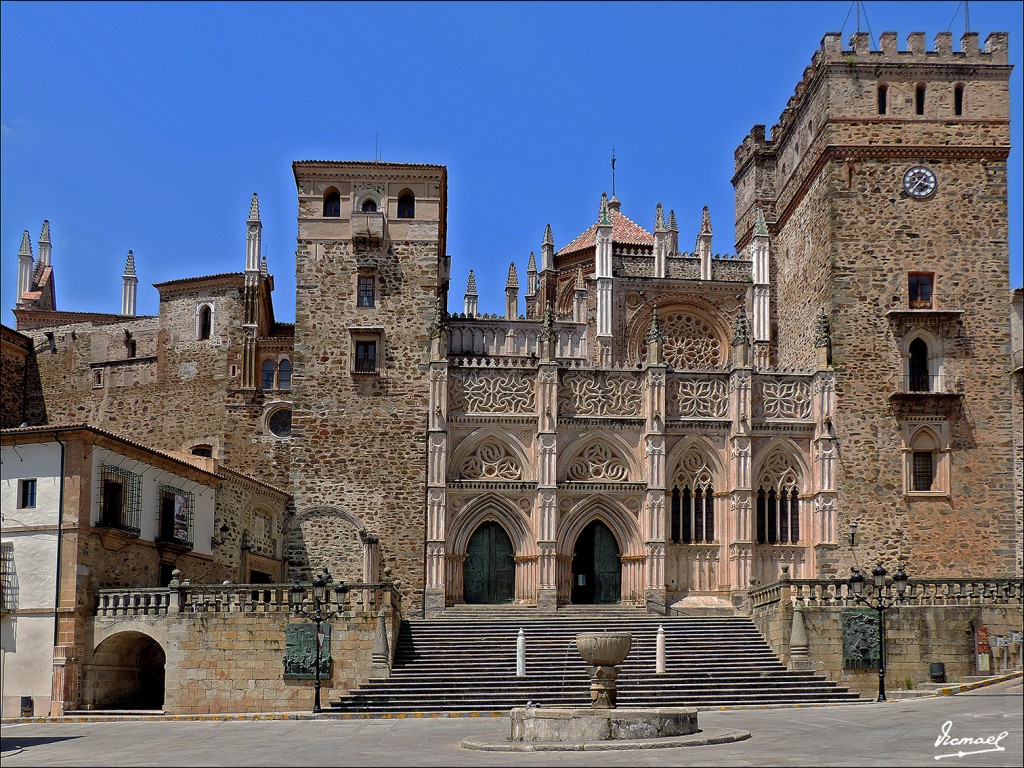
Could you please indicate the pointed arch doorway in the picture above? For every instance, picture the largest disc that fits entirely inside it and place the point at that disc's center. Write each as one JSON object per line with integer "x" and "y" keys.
{"x": 596, "y": 566}
{"x": 489, "y": 574}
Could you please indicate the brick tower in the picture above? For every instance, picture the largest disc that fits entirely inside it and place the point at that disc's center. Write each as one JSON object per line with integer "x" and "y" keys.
{"x": 370, "y": 271}
{"x": 884, "y": 187}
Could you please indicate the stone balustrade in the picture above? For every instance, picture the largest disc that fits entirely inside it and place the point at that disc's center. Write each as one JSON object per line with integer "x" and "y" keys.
{"x": 360, "y": 597}
{"x": 939, "y": 592}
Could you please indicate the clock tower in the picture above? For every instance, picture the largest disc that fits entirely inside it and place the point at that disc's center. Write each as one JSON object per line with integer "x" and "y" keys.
{"x": 884, "y": 189}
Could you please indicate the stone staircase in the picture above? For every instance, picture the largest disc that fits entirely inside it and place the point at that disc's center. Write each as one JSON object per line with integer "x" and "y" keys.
{"x": 466, "y": 661}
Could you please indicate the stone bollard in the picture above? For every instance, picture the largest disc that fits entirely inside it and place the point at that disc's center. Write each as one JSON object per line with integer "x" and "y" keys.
{"x": 521, "y": 654}
{"x": 659, "y": 659}
{"x": 799, "y": 644}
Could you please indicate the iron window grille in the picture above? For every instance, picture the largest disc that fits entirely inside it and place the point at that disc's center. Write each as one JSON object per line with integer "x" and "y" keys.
{"x": 177, "y": 512}
{"x": 120, "y": 499}
{"x": 366, "y": 357}
{"x": 8, "y": 579}
{"x": 923, "y": 470}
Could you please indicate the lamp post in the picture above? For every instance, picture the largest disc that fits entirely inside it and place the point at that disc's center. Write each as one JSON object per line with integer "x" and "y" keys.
{"x": 298, "y": 595}
{"x": 880, "y": 603}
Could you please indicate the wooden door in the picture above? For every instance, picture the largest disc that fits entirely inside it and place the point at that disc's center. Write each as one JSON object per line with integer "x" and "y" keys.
{"x": 489, "y": 573}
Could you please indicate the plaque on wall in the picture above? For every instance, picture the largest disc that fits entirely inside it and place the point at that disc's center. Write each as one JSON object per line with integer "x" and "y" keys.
{"x": 860, "y": 638}
{"x": 300, "y": 652}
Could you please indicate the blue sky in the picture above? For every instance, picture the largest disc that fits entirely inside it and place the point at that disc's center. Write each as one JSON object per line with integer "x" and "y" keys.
{"x": 149, "y": 126}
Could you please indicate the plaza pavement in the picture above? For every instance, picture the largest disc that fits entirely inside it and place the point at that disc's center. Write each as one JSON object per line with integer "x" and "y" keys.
{"x": 898, "y": 733}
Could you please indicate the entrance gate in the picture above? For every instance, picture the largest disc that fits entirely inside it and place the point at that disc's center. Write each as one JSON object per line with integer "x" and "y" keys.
{"x": 490, "y": 569}
{"x": 596, "y": 570}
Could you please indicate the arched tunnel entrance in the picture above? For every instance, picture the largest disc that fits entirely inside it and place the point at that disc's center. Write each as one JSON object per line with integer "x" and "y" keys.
{"x": 128, "y": 673}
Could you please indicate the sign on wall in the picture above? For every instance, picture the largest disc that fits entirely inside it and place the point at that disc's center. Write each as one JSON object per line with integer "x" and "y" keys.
{"x": 300, "y": 651}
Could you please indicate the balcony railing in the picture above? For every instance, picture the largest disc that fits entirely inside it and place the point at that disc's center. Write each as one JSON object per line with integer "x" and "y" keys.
{"x": 925, "y": 384}
{"x": 934, "y": 304}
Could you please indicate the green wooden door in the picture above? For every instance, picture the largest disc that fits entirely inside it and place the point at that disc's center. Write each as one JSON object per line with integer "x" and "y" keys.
{"x": 489, "y": 573}
{"x": 596, "y": 570}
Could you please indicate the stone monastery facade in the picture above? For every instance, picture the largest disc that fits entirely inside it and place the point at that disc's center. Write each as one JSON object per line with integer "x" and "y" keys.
{"x": 657, "y": 422}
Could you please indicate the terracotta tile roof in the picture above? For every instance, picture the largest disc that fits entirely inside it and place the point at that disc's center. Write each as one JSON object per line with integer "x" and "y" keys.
{"x": 200, "y": 278}
{"x": 624, "y": 230}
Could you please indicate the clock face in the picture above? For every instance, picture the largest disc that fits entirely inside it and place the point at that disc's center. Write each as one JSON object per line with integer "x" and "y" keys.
{"x": 919, "y": 181}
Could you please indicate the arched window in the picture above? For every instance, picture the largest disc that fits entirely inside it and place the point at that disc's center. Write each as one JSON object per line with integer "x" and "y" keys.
{"x": 332, "y": 203}
{"x": 693, "y": 502}
{"x": 778, "y": 502}
{"x": 369, "y": 206}
{"x": 267, "y": 378}
{"x": 923, "y": 467}
{"x": 958, "y": 100}
{"x": 918, "y": 379}
{"x": 919, "y": 98}
{"x": 883, "y": 99}
{"x": 205, "y": 321}
{"x": 284, "y": 374}
{"x": 926, "y": 464}
{"x": 406, "y": 205}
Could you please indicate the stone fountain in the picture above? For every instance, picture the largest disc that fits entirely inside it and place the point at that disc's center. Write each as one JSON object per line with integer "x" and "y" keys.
{"x": 603, "y": 725}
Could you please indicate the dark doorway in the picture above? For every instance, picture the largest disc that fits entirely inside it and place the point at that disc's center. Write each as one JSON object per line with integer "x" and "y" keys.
{"x": 596, "y": 570}
{"x": 127, "y": 673}
{"x": 490, "y": 570}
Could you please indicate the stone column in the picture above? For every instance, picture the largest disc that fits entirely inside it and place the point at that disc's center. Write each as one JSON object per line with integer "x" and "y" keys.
{"x": 739, "y": 548}
{"x": 434, "y": 597}
{"x": 653, "y": 523}
{"x": 545, "y": 522}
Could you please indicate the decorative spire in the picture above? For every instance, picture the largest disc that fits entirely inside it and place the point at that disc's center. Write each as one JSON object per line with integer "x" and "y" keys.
{"x": 44, "y": 236}
{"x": 740, "y": 329}
{"x": 549, "y": 239}
{"x": 531, "y": 265}
{"x": 44, "y": 245}
{"x": 659, "y": 218}
{"x": 470, "y": 300}
{"x": 614, "y": 205}
{"x": 129, "y": 286}
{"x": 705, "y": 222}
{"x": 603, "y": 219}
{"x": 760, "y": 228}
{"x": 580, "y": 285}
{"x": 822, "y": 331}
{"x": 254, "y": 208}
{"x": 129, "y": 265}
{"x": 440, "y": 322}
{"x": 654, "y": 334}
{"x": 513, "y": 278}
{"x": 26, "y": 245}
{"x": 471, "y": 284}
{"x": 672, "y": 226}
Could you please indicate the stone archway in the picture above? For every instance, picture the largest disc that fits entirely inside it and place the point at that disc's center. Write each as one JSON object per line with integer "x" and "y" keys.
{"x": 127, "y": 672}
{"x": 489, "y": 573}
{"x": 596, "y": 566}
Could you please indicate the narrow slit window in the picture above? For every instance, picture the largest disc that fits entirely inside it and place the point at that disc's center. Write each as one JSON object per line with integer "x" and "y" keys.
{"x": 919, "y": 98}
{"x": 958, "y": 100}
{"x": 883, "y": 99}
{"x": 205, "y": 321}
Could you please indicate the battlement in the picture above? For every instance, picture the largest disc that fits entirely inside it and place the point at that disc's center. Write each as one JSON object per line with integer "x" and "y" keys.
{"x": 831, "y": 52}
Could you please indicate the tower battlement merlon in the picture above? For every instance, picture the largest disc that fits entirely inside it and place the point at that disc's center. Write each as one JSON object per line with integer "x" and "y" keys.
{"x": 995, "y": 51}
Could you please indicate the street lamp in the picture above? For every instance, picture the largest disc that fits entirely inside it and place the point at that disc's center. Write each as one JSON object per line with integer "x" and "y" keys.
{"x": 298, "y": 594}
{"x": 880, "y": 604}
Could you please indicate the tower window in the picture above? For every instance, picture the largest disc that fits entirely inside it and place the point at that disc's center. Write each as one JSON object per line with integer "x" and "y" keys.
{"x": 366, "y": 291}
{"x": 332, "y": 203}
{"x": 958, "y": 100}
{"x": 366, "y": 357}
{"x": 267, "y": 375}
{"x": 284, "y": 375}
{"x": 924, "y": 470}
{"x": 919, "y": 290}
{"x": 132, "y": 348}
{"x": 919, "y": 98}
{"x": 883, "y": 99}
{"x": 369, "y": 206}
{"x": 205, "y": 321}
{"x": 918, "y": 369}
{"x": 406, "y": 206}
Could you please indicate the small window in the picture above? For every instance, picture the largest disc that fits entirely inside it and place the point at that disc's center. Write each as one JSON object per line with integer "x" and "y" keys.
{"x": 267, "y": 375}
{"x": 27, "y": 493}
{"x": 132, "y": 349}
{"x": 205, "y": 321}
{"x": 883, "y": 99}
{"x": 366, "y": 357}
{"x": 366, "y": 292}
{"x": 406, "y": 206}
{"x": 280, "y": 422}
{"x": 332, "y": 204}
{"x": 919, "y": 98}
{"x": 284, "y": 375}
{"x": 120, "y": 498}
{"x": 924, "y": 471}
{"x": 97, "y": 377}
{"x": 958, "y": 100}
{"x": 919, "y": 289}
{"x": 206, "y": 451}
{"x": 369, "y": 206}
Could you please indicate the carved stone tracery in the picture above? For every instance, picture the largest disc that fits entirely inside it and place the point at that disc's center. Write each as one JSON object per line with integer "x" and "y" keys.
{"x": 783, "y": 398}
{"x": 601, "y": 394}
{"x": 696, "y": 397}
{"x": 691, "y": 343}
{"x": 490, "y": 461}
{"x": 493, "y": 392}
{"x": 597, "y": 462}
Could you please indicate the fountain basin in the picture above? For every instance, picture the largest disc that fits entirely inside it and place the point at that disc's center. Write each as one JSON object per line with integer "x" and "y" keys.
{"x": 579, "y": 725}
{"x": 604, "y": 649}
